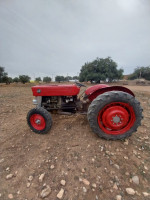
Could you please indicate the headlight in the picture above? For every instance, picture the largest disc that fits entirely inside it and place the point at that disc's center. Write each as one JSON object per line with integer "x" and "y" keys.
{"x": 35, "y": 101}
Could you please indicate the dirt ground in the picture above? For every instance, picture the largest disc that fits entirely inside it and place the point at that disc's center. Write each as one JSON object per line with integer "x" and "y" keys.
{"x": 93, "y": 168}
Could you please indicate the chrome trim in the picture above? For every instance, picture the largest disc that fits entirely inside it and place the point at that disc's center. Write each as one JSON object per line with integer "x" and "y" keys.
{"x": 37, "y": 101}
{"x": 34, "y": 101}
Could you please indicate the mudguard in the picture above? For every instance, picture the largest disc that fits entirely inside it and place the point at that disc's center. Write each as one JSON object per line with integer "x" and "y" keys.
{"x": 92, "y": 92}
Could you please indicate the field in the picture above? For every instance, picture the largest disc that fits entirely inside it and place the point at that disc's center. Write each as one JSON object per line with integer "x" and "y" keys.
{"x": 70, "y": 157}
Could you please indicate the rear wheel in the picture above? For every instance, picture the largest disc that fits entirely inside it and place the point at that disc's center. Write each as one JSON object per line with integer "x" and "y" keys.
{"x": 39, "y": 120}
{"x": 114, "y": 115}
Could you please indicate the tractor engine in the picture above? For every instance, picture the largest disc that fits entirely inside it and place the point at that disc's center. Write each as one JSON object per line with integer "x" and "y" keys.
{"x": 64, "y": 103}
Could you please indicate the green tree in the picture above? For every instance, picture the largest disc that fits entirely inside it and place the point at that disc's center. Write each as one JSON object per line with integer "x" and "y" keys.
{"x": 68, "y": 78}
{"x": 38, "y": 79}
{"x": 75, "y": 77}
{"x": 16, "y": 80}
{"x": 47, "y": 79}
{"x": 140, "y": 72}
{"x": 100, "y": 70}
{"x": 24, "y": 79}
{"x": 10, "y": 80}
{"x": 4, "y": 76}
{"x": 6, "y": 79}
{"x": 2, "y": 73}
{"x": 59, "y": 78}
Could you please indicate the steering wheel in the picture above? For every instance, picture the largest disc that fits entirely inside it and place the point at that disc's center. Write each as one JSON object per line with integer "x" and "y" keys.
{"x": 79, "y": 84}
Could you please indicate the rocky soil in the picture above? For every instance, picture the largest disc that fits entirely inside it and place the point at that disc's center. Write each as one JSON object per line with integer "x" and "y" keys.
{"x": 70, "y": 162}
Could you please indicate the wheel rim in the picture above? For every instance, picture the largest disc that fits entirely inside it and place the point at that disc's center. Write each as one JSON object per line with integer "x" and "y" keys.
{"x": 37, "y": 121}
{"x": 116, "y": 118}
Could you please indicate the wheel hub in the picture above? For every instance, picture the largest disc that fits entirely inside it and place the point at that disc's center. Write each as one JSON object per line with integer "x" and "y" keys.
{"x": 116, "y": 119}
{"x": 38, "y": 121}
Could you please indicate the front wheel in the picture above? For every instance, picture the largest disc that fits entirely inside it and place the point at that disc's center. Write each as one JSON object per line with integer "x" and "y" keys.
{"x": 39, "y": 120}
{"x": 114, "y": 115}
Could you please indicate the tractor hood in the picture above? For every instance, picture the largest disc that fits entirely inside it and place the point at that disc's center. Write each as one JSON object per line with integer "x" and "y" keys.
{"x": 55, "y": 90}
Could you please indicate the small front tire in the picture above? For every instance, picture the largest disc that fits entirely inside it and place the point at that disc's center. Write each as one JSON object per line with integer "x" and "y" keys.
{"x": 39, "y": 120}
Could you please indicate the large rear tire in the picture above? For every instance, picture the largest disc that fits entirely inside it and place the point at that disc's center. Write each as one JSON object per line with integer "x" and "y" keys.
{"x": 114, "y": 115}
{"x": 39, "y": 120}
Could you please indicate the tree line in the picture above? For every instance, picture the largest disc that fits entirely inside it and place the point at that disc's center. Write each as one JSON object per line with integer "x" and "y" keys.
{"x": 98, "y": 70}
{"x": 57, "y": 78}
{"x": 140, "y": 72}
{"x": 4, "y": 78}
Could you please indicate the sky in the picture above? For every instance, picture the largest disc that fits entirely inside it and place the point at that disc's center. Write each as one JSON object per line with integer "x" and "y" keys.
{"x": 57, "y": 37}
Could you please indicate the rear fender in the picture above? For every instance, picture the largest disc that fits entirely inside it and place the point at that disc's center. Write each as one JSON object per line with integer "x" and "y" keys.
{"x": 100, "y": 91}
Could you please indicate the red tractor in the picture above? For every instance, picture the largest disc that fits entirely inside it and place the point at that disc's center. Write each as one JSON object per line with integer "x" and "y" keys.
{"x": 112, "y": 111}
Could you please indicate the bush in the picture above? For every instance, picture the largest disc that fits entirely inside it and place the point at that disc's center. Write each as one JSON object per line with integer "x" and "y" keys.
{"x": 38, "y": 79}
{"x": 16, "y": 80}
{"x": 24, "y": 79}
{"x": 47, "y": 79}
{"x": 59, "y": 78}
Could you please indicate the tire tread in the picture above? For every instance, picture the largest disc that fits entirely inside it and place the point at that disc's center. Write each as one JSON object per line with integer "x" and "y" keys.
{"x": 101, "y": 100}
{"x": 45, "y": 114}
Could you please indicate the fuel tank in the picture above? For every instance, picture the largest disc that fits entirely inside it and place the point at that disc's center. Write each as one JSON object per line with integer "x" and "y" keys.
{"x": 55, "y": 90}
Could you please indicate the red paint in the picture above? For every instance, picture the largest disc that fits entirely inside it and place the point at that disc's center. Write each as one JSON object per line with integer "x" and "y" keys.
{"x": 122, "y": 110}
{"x": 96, "y": 90}
{"x": 56, "y": 90}
{"x": 113, "y": 111}
{"x": 33, "y": 120}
